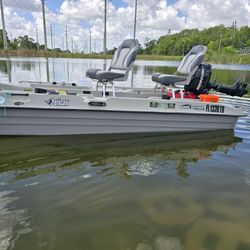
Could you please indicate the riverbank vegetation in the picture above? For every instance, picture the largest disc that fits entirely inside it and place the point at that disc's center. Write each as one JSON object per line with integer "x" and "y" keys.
{"x": 215, "y": 57}
{"x": 225, "y": 45}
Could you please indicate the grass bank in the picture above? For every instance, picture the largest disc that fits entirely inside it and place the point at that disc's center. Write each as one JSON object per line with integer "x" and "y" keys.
{"x": 41, "y": 53}
{"x": 210, "y": 57}
{"x": 228, "y": 58}
{"x": 159, "y": 57}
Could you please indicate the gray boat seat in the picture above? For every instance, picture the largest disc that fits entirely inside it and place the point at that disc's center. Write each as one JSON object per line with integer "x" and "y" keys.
{"x": 187, "y": 67}
{"x": 104, "y": 76}
{"x": 121, "y": 63}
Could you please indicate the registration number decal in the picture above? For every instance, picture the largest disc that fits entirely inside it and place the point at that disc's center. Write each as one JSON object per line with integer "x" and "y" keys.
{"x": 215, "y": 108}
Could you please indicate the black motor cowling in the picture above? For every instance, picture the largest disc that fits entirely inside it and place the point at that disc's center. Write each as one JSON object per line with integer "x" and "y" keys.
{"x": 200, "y": 81}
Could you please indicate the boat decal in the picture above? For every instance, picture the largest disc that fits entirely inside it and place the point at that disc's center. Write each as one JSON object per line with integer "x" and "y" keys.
{"x": 2, "y": 100}
{"x": 198, "y": 107}
{"x": 193, "y": 106}
{"x": 57, "y": 102}
{"x": 215, "y": 108}
{"x": 98, "y": 104}
{"x": 161, "y": 105}
{"x": 237, "y": 106}
{"x": 185, "y": 106}
{"x": 19, "y": 103}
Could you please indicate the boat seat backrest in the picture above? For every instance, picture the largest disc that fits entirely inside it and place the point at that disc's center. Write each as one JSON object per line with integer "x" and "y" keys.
{"x": 192, "y": 59}
{"x": 125, "y": 55}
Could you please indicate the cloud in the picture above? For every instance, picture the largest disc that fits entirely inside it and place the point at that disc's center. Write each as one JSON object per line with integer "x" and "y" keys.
{"x": 81, "y": 9}
{"x": 27, "y": 5}
{"x": 155, "y": 18}
{"x": 16, "y": 24}
{"x": 207, "y": 13}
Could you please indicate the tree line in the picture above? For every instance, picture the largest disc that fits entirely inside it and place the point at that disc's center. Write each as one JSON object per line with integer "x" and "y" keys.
{"x": 219, "y": 38}
{"x": 22, "y": 42}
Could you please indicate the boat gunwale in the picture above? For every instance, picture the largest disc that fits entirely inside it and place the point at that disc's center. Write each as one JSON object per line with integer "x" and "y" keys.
{"x": 116, "y": 111}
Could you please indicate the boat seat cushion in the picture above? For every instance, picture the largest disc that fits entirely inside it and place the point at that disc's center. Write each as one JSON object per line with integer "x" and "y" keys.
{"x": 91, "y": 73}
{"x": 108, "y": 75}
{"x": 103, "y": 76}
{"x": 167, "y": 79}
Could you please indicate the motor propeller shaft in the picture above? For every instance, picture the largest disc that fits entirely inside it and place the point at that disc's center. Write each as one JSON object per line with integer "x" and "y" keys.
{"x": 238, "y": 89}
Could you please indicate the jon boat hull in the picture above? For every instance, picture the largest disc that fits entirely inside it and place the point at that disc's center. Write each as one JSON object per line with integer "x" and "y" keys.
{"x": 35, "y": 121}
{"x": 28, "y": 113}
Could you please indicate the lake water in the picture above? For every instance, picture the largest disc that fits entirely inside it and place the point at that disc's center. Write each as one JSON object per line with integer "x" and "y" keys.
{"x": 73, "y": 70}
{"x": 124, "y": 192}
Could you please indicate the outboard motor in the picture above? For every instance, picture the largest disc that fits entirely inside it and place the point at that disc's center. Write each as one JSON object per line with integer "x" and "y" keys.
{"x": 200, "y": 83}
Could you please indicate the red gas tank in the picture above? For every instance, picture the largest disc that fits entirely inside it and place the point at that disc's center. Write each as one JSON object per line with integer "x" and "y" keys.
{"x": 186, "y": 94}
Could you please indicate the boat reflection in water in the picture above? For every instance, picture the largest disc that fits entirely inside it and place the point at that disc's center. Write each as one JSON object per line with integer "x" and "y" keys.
{"x": 124, "y": 155}
{"x": 135, "y": 192}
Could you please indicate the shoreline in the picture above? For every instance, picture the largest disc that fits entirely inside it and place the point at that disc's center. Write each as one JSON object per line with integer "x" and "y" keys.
{"x": 210, "y": 58}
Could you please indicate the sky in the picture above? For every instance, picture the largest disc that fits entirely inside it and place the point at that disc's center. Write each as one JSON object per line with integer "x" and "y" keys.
{"x": 154, "y": 19}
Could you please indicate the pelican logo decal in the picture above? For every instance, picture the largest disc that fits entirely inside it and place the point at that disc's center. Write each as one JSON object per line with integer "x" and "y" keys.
{"x": 57, "y": 102}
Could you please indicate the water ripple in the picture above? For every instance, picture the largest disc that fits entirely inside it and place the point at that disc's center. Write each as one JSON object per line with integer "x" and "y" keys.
{"x": 247, "y": 176}
{"x": 11, "y": 220}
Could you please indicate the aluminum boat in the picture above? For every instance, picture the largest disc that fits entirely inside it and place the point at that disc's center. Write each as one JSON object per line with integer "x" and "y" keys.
{"x": 67, "y": 109}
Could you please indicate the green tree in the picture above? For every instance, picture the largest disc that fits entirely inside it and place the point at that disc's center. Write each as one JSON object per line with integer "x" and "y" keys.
{"x": 24, "y": 42}
{"x": 1, "y": 39}
{"x": 149, "y": 46}
{"x": 229, "y": 50}
{"x": 180, "y": 43}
